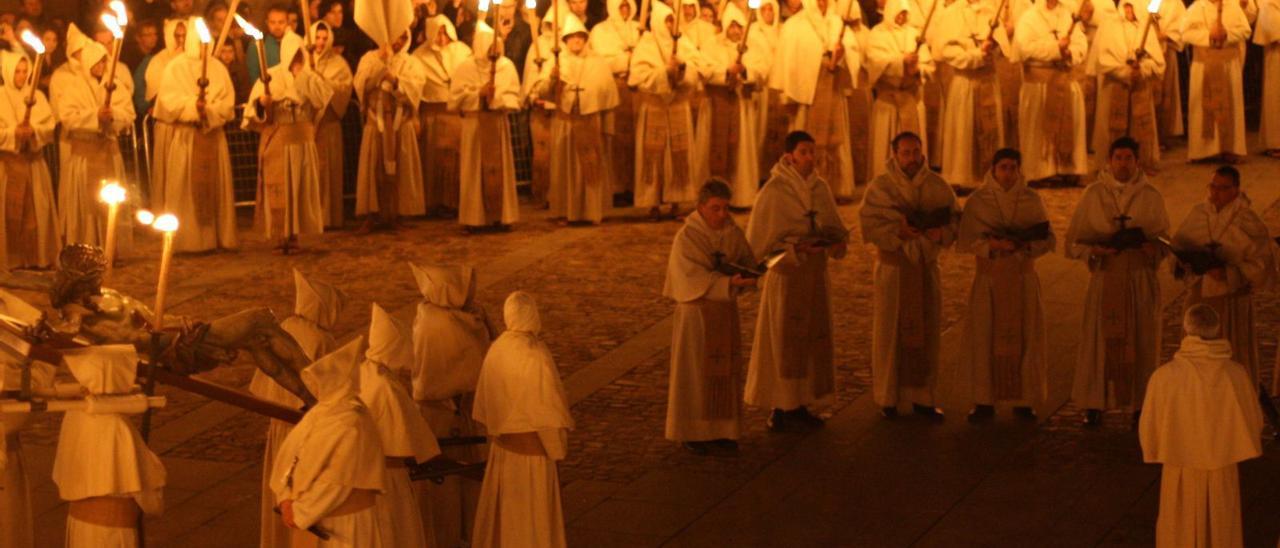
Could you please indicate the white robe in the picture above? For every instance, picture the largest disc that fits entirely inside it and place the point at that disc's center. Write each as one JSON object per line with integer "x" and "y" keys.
{"x": 520, "y": 392}
{"x": 1197, "y": 23}
{"x": 744, "y": 177}
{"x": 1241, "y": 239}
{"x": 694, "y": 284}
{"x": 1200, "y": 418}
{"x": 887, "y": 45}
{"x": 1035, "y": 45}
{"x": 464, "y": 97}
{"x": 440, "y": 184}
{"x": 1116, "y": 43}
{"x": 777, "y": 376}
{"x": 47, "y": 241}
{"x": 403, "y": 165}
{"x": 615, "y": 39}
{"x": 1267, "y": 34}
{"x": 992, "y": 208}
{"x": 1094, "y": 220}
{"x": 884, "y": 206}
{"x": 208, "y": 216}
{"x": 329, "y": 145}
{"x": 961, "y": 32}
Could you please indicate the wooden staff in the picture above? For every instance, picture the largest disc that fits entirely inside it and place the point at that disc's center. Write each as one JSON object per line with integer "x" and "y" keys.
{"x": 117, "y": 33}
{"x": 928, "y": 19}
{"x": 307, "y": 38}
{"x": 644, "y": 15}
{"x": 746, "y": 34}
{"x": 34, "y": 79}
{"x": 995, "y": 21}
{"x": 226, "y": 25}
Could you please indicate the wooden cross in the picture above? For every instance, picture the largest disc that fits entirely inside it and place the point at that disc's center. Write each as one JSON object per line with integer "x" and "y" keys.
{"x": 1122, "y": 219}
{"x": 717, "y": 259}
{"x": 813, "y": 220}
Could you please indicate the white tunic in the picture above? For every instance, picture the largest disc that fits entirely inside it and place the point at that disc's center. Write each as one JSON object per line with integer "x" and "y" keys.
{"x": 1197, "y": 24}
{"x": 397, "y": 123}
{"x": 887, "y": 45}
{"x": 41, "y": 248}
{"x": 1267, "y": 34}
{"x": 1035, "y": 44}
{"x": 961, "y": 31}
{"x": 464, "y": 96}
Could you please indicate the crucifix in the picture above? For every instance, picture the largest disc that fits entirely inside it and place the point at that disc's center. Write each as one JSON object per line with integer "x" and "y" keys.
{"x": 813, "y": 221}
{"x": 717, "y": 259}
{"x": 1122, "y": 218}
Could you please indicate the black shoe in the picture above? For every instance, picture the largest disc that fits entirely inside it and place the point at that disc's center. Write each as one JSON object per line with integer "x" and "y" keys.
{"x": 779, "y": 421}
{"x": 699, "y": 448}
{"x": 889, "y": 412}
{"x": 803, "y": 416}
{"x": 927, "y": 411}
{"x": 1024, "y": 413}
{"x": 982, "y": 413}
{"x": 1092, "y": 418}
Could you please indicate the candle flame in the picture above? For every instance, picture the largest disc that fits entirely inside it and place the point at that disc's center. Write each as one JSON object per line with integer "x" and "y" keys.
{"x": 111, "y": 193}
{"x": 497, "y": 2}
{"x": 531, "y": 4}
{"x": 203, "y": 30}
{"x": 484, "y": 6}
{"x": 249, "y": 29}
{"x": 146, "y": 217}
{"x": 122, "y": 16}
{"x": 166, "y": 223}
{"x": 1153, "y": 7}
{"x": 112, "y": 25}
{"x": 33, "y": 41}
{"x": 753, "y": 4}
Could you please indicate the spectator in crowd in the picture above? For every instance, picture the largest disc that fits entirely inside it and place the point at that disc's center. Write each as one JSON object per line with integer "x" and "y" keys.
{"x": 146, "y": 39}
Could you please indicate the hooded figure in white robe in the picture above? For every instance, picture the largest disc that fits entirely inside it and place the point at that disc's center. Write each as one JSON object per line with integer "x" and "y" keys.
{"x": 1052, "y": 128}
{"x": 450, "y": 338}
{"x": 175, "y": 41}
{"x": 194, "y": 163}
{"x": 405, "y": 435}
{"x": 16, "y": 526}
{"x": 1004, "y": 326}
{"x": 973, "y": 127}
{"x": 1266, "y": 33}
{"x": 897, "y": 66}
{"x": 704, "y": 402}
{"x": 547, "y": 193}
{"x": 582, "y": 87}
{"x": 1226, "y": 226}
{"x": 907, "y": 331}
{"x": 327, "y": 472}
{"x": 792, "y": 358}
{"x": 102, "y": 466}
{"x": 334, "y": 70}
{"x": 91, "y": 152}
{"x": 522, "y": 403}
{"x": 440, "y": 131}
{"x": 815, "y": 71}
{"x": 290, "y": 200}
{"x": 484, "y": 93}
{"x": 615, "y": 39}
{"x": 389, "y": 84}
{"x": 1125, "y": 103}
{"x": 1120, "y": 343}
{"x": 317, "y": 307}
{"x": 1168, "y": 28}
{"x": 1200, "y": 418}
{"x": 739, "y": 72}
{"x": 665, "y": 75}
{"x": 1215, "y": 101}
{"x": 765, "y": 37}
{"x": 30, "y": 230}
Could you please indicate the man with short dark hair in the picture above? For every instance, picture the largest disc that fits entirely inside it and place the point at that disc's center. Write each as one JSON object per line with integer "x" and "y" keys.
{"x": 795, "y": 226}
{"x": 1224, "y": 256}
{"x": 277, "y": 26}
{"x": 705, "y": 276}
{"x": 1006, "y": 228}
{"x": 1114, "y": 231}
{"x": 909, "y": 213}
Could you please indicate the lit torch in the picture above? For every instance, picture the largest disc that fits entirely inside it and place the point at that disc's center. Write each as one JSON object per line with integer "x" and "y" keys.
{"x": 256, "y": 34}
{"x": 117, "y": 34}
{"x": 32, "y": 40}
{"x": 167, "y": 224}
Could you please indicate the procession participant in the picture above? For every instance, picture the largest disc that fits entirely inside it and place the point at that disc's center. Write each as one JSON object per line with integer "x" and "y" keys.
{"x": 440, "y": 55}
{"x": 522, "y": 404}
{"x": 289, "y": 194}
{"x": 616, "y": 39}
{"x": 897, "y": 66}
{"x": 693, "y": 27}
{"x": 1005, "y": 324}
{"x": 31, "y": 232}
{"x": 1114, "y": 230}
{"x": 322, "y": 475}
{"x": 973, "y": 126}
{"x": 194, "y": 163}
{"x": 175, "y": 40}
{"x": 102, "y": 465}
{"x": 16, "y": 525}
{"x": 1125, "y": 104}
{"x": 704, "y": 401}
{"x": 547, "y": 193}
{"x": 1168, "y": 29}
{"x": 1215, "y": 108}
{"x": 406, "y": 438}
{"x": 1241, "y": 262}
{"x": 815, "y": 70}
{"x": 771, "y": 129}
{"x": 665, "y": 82}
{"x": 333, "y": 69}
{"x": 89, "y": 129}
{"x": 317, "y": 306}
{"x": 792, "y": 359}
{"x": 451, "y": 335}
{"x": 582, "y": 87}
{"x": 277, "y": 25}
{"x": 1200, "y": 419}
{"x": 485, "y": 88}
{"x": 908, "y": 293}
{"x": 389, "y": 84}
{"x": 1051, "y": 110}
{"x": 858, "y": 96}
{"x": 738, "y": 74}
{"x": 1267, "y": 35}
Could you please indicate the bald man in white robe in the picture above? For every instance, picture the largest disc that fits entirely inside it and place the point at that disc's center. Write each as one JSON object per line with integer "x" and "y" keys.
{"x": 1215, "y": 108}
{"x": 1201, "y": 417}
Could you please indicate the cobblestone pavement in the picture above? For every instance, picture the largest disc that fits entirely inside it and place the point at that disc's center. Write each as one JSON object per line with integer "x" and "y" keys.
{"x": 595, "y": 294}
